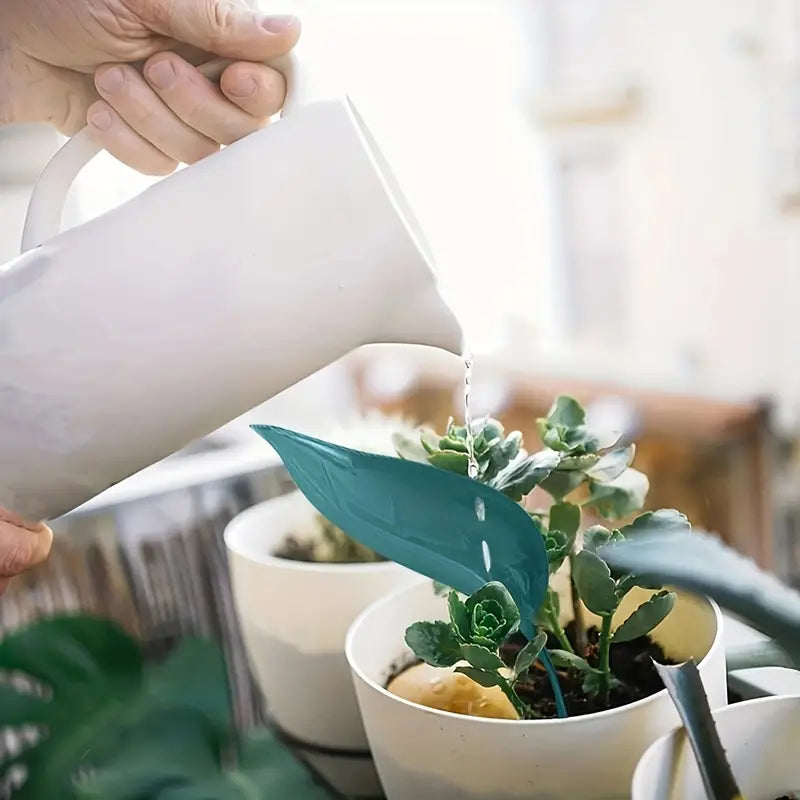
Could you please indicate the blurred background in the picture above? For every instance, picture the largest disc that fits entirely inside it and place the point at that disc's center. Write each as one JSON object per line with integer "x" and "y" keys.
{"x": 612, "y": 191}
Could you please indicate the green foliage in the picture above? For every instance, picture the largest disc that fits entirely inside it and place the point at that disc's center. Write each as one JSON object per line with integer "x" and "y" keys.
{"x": 492, "y": 615}
{"x": 702, "y": 564}
{"x": 649, "y": 614}
{"x": 436, "y": 643}
{"x": 596, "y": 588}
{"x": 109, "y": 725}
{"x": 494, "y": 451}
{"x": 575, "y": 456}
{"x": 474, "y": 633}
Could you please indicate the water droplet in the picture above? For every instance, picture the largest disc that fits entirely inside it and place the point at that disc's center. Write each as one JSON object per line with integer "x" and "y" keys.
{"x": 480, "y": 509}
{"x": 487, "y": 556}
{"x": 472, "y": 463}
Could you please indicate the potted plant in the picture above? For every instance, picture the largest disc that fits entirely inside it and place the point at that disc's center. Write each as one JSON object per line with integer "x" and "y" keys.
{"x": 298, "y": 582}
{"x": 478, "y": 718}
{"x": 748, "y": 749}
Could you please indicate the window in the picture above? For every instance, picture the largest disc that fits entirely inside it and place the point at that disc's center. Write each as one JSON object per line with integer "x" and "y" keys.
{"x": 586, "y": 42}
{"x": 593, "y": 290}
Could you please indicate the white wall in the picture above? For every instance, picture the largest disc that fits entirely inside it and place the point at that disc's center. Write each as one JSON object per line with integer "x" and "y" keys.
{"x": 714, "y": 260}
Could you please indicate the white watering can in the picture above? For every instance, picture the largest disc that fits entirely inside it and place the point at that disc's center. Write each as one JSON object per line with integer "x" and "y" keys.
{"x": 125, "y": 338}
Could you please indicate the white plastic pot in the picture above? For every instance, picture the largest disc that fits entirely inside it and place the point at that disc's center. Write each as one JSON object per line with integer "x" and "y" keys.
{"x": 421, "y": 752}
{"x": 760, "y": 738}
{"x": 294, "y": 617}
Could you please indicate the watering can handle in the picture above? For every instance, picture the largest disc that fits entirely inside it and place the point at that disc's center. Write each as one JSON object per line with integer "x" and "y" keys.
{"x": 43, "y": 220}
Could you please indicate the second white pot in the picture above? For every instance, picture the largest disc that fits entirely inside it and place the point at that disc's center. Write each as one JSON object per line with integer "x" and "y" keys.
{"x": 422, "y": 752}
{"x": 760, "y": 738}
{"x": 294, "y": 618}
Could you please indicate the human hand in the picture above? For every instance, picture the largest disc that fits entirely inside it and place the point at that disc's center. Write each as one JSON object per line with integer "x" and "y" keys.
{"x": 70, "y": 62}
{"x": 22, "y": 545}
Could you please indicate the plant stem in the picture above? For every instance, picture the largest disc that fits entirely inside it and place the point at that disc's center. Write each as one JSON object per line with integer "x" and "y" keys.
{"x": 519, "y": 706}
{"x": 581, "y": 641}
{"x": 558, "y": 631}
{"x": 605, "y": 661}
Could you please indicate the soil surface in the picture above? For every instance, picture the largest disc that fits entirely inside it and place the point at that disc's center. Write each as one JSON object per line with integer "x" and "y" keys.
{"x": 295, "y": 549}
{"x": 630, "y": 663}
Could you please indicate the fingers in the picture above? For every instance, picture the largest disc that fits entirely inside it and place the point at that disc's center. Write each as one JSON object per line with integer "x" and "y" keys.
{"x": 252, "y": 93}
{"x": 115, "y": 135}
{"x": 258, "y": 90}
{"x": 173, "y": 114}
{"x": 224, "y": 27}
{"x": 22, "y": 548}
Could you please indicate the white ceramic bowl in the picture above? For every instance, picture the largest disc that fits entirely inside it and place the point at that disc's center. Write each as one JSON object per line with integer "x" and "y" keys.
{"x": 426, "y": 753}
{"x": 762, "y": 742}
{"x": 294, "y": 618}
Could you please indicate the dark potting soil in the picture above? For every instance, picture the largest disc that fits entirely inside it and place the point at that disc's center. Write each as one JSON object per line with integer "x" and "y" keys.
{"x": 294, "y": 549}
{"x": 630, "y": 663}
{"x": 347, "y": 551}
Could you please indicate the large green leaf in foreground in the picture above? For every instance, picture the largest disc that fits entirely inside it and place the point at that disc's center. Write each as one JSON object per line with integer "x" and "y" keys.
{"x": 109, "y": 725}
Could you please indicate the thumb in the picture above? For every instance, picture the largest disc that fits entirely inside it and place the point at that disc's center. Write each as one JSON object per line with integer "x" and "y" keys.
{"x": 223, "y": 27}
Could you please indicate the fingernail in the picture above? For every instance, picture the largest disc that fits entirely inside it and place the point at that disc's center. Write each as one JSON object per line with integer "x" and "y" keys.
{"x": 101, "y": 119}
{"x": 161, "y": 74}
{"x": 111, "y": 80}
{"x": 279, "y": 24}
{"x": 244, "y": 86}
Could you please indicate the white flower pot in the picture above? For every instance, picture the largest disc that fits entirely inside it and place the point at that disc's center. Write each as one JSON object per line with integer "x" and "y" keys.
{"x": 421, "y": 752}
{"x": 294, "y": 617}
{"x": 760, "y": 738}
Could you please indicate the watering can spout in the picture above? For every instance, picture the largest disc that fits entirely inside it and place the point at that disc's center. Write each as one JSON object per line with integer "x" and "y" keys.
{"x": 425, "y": 319}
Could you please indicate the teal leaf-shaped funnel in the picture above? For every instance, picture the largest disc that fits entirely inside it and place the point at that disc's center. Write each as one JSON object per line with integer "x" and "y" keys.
{"x": 445, "y": 526}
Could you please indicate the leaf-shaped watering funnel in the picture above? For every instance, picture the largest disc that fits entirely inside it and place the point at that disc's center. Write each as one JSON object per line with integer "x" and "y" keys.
{"x": 445, "y": 526}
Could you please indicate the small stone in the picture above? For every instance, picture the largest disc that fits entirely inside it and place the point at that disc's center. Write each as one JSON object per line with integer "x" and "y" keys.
{"x": 447, "y": 690}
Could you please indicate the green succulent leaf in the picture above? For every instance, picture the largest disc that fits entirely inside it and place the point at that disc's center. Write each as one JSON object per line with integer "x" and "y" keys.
{"x": 439, "y": 589}
{"x": 620, "y": 497}
{"x": 434, "y": 642}
{"x": 578, "y": 463}
{"x": 493, "y": 614}
{"x": 429, "y": 440}
{"x": 563, "y": 659}
{"x": 521, "y": 476}
{"x": 611, "y": 465}
{"x": 645, "y": 617}
{"x": 665, "y": 520}
{"x": 459, "y": 616}
{"x": 565, "y": 517}
{"x": 450, "y": 461}
{"x": 559, "y": 483}
{"x": 481, "y": 657}
{"x": 593, "y": 682}
{"x": 484, "y": 678}
{"x": 594, "y": 583}
{"x": 409, "y": 448}
{"x": 558, "y": 546}
{"x": 567, "y": 412}
{"x": 452, "y": 443}
{"x": 529, "y": 653}
{"x": 628, "y": 582}
{"x": 597, "y": 536}
{"x": 701, "y": 564}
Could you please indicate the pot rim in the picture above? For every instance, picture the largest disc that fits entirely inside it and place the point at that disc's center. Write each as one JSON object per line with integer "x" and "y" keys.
{"x": 645, "y": 762}
{"x": 717, "y": 643}
{"x": 245, "y": 518}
